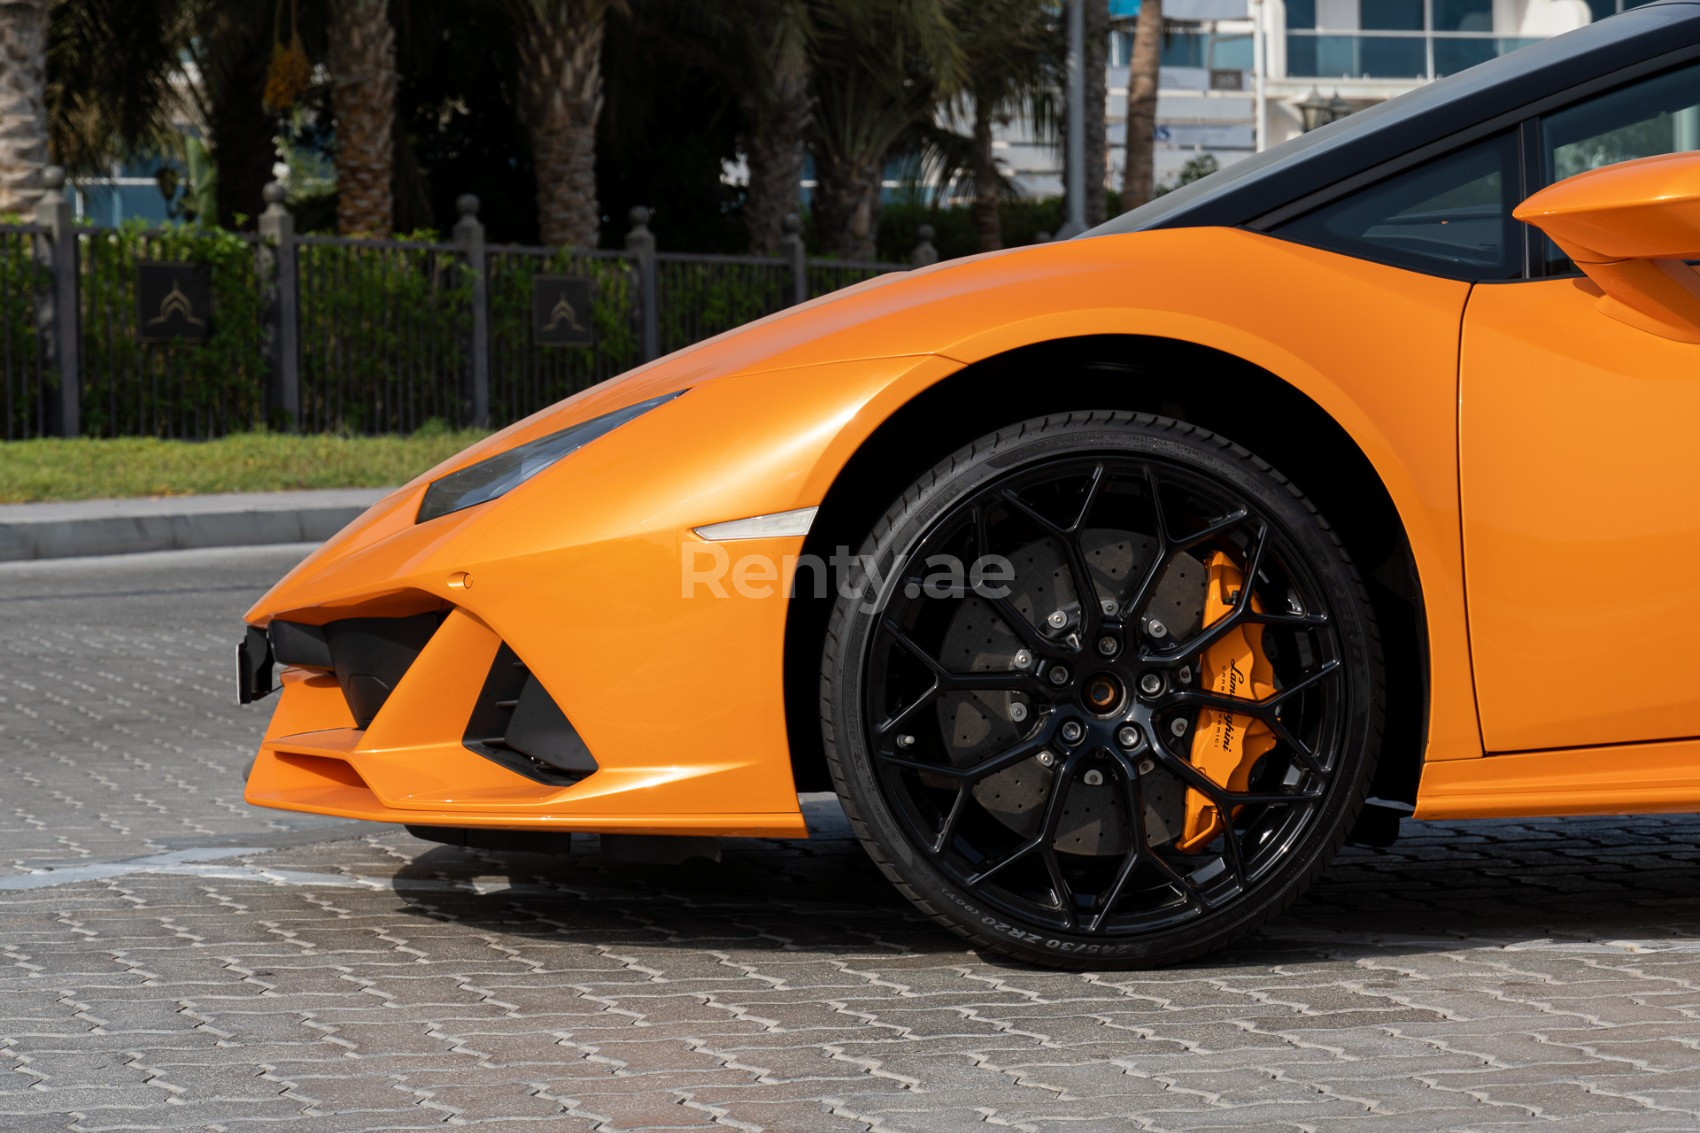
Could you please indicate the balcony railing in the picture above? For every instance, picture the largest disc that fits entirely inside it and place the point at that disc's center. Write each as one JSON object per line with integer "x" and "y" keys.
{"x": 1391, "y": 54}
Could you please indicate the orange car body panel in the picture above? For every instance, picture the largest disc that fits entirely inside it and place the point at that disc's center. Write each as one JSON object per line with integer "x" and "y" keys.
{"x": 1580, "y": 527}
{"x": 680, "y": 696}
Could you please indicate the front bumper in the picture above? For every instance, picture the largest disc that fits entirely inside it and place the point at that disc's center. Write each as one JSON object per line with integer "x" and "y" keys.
{"x": 442, "y": 724}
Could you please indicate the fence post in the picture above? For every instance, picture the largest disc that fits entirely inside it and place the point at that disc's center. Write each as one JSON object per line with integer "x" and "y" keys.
{"x": 283, "y": 306}
{"x": 924, "y": 252}
{"x": 791, "y": 247}
{"x": 57, "y": 310}
{"x": 469, "y": 234}
{"x": 640, "y": 246}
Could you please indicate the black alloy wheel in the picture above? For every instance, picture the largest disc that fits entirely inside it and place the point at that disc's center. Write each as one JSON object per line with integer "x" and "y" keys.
{"x": 1109, "y": 696}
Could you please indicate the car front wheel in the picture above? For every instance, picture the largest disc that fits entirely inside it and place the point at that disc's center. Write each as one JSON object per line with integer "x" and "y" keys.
{"x": 1105, "y": 693}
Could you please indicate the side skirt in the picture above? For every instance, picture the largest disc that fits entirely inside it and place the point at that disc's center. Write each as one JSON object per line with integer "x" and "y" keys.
{"x": 1654, "y": 778}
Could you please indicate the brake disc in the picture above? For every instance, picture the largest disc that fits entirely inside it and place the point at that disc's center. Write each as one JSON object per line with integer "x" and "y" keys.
{"x": 976, "y": 725}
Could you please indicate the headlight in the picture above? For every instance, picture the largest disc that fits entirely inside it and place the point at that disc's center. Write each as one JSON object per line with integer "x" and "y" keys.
{"x": 488, "y": 479}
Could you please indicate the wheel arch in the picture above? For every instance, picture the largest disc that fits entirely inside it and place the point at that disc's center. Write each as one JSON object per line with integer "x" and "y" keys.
{"x": 1198, "y": 384}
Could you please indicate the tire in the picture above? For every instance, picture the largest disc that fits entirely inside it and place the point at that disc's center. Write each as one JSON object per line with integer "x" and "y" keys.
{"x": 1040, "y": 755}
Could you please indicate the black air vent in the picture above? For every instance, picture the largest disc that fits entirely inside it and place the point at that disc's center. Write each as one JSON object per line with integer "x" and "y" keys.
{"x": 368, "y": 655}
{"x": 517, "y": 724}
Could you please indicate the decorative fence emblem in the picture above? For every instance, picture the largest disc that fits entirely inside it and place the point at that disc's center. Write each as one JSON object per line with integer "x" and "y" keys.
{"x": 173, "y": 301}
{"x": 560, "y": 310}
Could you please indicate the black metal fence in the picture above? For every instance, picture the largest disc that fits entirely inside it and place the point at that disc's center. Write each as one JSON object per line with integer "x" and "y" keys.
{"x": 23, "y": 370}
{"x": 188, "y": 332}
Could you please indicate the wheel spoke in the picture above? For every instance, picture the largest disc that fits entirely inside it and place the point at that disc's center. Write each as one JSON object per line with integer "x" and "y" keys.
{"x": 1080, "y": 575}
{"x": 948, "y": 829}
{"x": 1093, "y": 486}
{"x": 1134, "y": 799}
{"x": 991, "y": 765}
{"x": 1180, "y": 882}
{"x": 891, "y": 724}
{"x": 1233, "y": 619}
{"x": 1029, "y": 634}
{"x": 995, "y": 680}
{"x": 1213, "y": 529}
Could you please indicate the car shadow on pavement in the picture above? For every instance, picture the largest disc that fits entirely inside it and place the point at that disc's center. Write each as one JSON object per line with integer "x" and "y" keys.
{"x": 1600, "y": 885}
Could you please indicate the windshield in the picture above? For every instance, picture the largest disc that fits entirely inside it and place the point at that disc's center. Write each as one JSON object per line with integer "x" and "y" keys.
{"x": 1339, "y": 135}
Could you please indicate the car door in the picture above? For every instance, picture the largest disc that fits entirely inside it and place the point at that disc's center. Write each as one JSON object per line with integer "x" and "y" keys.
{"x": 1579, "y": 469}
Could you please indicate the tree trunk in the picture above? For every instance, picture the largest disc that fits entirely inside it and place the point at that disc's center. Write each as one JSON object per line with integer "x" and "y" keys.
{"x": 1139, "y": 176}
{"x": 234, "y": 53}
{"x": 988, "y": 226}
{"x": 1097, "y": 104}
{"x": 363, "y": 100}
{"x": 774, "y": 150}
{"x": 23, "y": 103}
{"x": 560, "y": 51}
{"x": 846, "y": 204}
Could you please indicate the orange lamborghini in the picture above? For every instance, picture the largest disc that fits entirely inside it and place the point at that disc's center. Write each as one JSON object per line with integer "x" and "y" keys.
{"x": 1112, "y": 584}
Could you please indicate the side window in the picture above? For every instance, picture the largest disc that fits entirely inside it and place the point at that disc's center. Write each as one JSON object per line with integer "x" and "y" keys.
{"x": 1450, "y": 216}
{"x": 1651, "y": 117}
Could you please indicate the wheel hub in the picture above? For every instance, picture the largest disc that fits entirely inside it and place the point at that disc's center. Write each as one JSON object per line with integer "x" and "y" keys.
{"x": 1103, "y": 694}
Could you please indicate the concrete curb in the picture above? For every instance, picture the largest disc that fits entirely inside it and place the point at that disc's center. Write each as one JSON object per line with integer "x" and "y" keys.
{"x": 122, "y": 527}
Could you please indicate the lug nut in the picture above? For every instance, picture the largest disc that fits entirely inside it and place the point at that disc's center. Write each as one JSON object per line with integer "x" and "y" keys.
{"x": 1150, "y": 684}
{"x": 1108, "y": 645}
{"x": 905, "y": 740}
{"x": 1057, "y": 619}
{"x": 1130, "y": 737}
{"x": 1177, "y": 726}
{"x": 1059, "y": 675}
{"x": 1023, "y": 658}
{"x": 1093, "y": 778}
{"x": 1072, "y": 731}
{"x": 1018, "y": 711}
{"x": 1156, "y": 628}
{"x": 1046, "y": 759}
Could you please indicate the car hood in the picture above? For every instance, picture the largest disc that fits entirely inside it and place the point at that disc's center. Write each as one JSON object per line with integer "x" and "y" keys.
{"x": 926, "y": 311}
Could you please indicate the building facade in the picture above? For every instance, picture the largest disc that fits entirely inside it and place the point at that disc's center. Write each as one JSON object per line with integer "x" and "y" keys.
{"x": 1239, "y": 75}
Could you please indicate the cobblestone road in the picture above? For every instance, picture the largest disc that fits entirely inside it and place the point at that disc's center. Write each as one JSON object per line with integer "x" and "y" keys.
{"x": 170, "y": 958}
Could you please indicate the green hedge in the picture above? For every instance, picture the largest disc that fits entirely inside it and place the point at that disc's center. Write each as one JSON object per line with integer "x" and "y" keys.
{"x": 173, "y": 388}
{"x": 23, "y": 385}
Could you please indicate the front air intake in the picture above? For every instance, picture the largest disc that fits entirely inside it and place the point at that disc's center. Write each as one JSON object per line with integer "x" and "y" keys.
{"x": 517, "y": 724}
{"x": 368, "y": 655}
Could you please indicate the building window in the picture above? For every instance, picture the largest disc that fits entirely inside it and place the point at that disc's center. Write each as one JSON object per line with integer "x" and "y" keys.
{"x": 1391, "y": 15}
{"x": 1463, "y": 15}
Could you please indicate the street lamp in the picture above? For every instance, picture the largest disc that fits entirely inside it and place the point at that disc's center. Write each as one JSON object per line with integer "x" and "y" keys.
{"x": 1315, "y": 110}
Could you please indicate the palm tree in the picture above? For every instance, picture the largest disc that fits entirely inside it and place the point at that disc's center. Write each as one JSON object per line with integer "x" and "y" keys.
{"x": 762, "y": 50}
{"x": 1139, "y": 171}
{"x": 23, "y": 102}
{"x": 882, "y": 70}
{"x": 1097, "y": 99}
{"x": 363, "y": 102}
{"x": 230, "y": 50}
{"x": 560, "y": 99}
{"x": 1010, "y": 51}
{"x": 776, "y": 104}
{"x": 104, "y": 104}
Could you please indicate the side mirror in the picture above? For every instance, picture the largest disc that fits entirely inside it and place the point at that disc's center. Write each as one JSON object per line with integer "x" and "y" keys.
{"x": 1630, "y": 227}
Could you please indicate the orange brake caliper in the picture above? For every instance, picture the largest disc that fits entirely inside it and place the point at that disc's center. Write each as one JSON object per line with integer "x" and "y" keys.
{"x": 1225, "y": 746}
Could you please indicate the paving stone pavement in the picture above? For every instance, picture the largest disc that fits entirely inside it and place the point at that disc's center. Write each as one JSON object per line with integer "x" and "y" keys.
{"x": 173, "y": 959}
